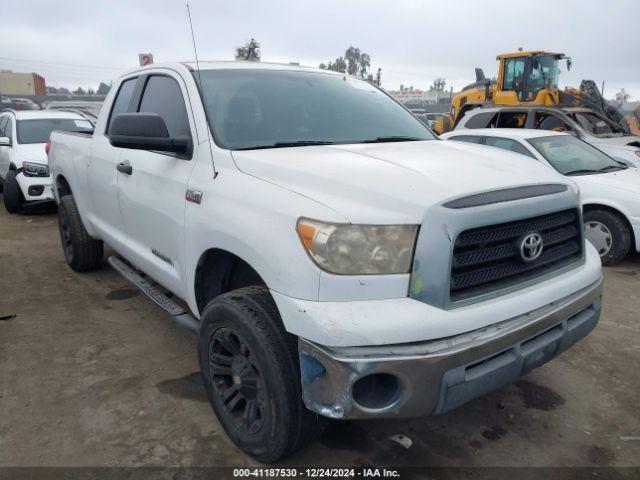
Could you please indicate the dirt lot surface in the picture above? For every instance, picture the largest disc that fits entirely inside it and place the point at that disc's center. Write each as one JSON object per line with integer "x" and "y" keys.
{"x": 92, "y": 373}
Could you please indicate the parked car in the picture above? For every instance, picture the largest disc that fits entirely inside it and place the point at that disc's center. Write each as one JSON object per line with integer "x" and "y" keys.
{"x": 18, "y": 104}
{"x": 24, "y": 174}
{"x": 585, "y": 124}
{"x": 610, "y": 190}
{"x": 89, "y": 110}
{"x": 336, "y": 258}
{"x": 429, "y": 119}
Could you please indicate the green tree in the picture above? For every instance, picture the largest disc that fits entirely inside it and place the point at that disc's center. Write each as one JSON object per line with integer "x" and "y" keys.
{"x": 355, "y": 62}
{"x": 339, "y": 65}
{"x": 79, "y": 91}
{"x": 103, "y": 88}
{"x": 438, "y": 85}
{"x": 622, "y": 97}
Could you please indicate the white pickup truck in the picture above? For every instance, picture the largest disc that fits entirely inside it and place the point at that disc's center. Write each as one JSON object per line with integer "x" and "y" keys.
{"x": 336, "y": 259}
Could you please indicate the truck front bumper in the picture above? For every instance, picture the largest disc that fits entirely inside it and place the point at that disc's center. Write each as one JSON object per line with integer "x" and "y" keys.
{"x": 432, "y": 377}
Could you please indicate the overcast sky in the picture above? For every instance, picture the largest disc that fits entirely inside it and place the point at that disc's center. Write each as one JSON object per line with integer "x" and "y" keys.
{"x": 74, "y": 43}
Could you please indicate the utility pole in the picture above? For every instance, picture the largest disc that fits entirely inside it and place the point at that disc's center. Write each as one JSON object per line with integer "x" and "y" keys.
{"x": 378, "y": 75}
{"x": 602, "y": 92}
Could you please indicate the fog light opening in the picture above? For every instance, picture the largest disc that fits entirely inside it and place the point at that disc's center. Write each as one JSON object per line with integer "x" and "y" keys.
{"x": 376, "y": 391}
{"x": 36, "y": 190}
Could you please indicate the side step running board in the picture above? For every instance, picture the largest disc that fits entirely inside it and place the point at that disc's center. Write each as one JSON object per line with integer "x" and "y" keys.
{"x": 182, "y": 317}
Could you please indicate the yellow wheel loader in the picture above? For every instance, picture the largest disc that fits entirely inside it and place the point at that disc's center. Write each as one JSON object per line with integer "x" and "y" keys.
{"x": 526, "y": 78}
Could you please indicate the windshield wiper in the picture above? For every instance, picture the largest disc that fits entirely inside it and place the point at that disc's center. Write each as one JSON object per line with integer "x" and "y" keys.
{"x": 609, "y": 168}
{"x": 396, "y": 138}
{"x": 294, "y": 143}
{"x": 582, "y": 171}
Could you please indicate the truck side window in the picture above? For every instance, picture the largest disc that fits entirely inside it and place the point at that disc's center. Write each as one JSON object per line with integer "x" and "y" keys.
{"x": 123, "y": 99}
{"x": 482, "y": 120}
{"x": 163, "y": 96}
{"x": 512, "y": 119}
{"x": 507, "y": 144}
{"x": 548, "y": 121}
{"x": 467, "y": 138}
{"x": 3, "y": 121}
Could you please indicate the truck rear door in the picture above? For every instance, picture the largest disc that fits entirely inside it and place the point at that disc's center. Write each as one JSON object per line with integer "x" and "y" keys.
{"x": 152, "y": 193}
{"x": 102, "y": 174}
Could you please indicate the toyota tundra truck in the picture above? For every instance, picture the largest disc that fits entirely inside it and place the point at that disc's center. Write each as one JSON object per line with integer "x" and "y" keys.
{"x": 336, "y": 259}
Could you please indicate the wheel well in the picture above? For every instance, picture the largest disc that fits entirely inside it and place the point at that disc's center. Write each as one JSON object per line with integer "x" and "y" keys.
{"x": 63, "y": 186}
{"x": 594, "y": 206}
{"x": 218, "y": 272}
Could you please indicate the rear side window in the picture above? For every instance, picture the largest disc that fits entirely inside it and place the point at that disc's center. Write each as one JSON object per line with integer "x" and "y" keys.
{"x": 482, "y": 120}
{"x": 512, "y": 119}
{"x": 508, "y": 144}
{"x": 3, "y": 121}
{"x": 123, "y": 99}
{"x": 163, "y": 96}
{"x": 467, "y": 138}
{"x": 548, "y": 121}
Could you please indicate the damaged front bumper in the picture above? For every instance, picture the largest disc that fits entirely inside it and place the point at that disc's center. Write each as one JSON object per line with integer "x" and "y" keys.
{"x": 428, "y": 378}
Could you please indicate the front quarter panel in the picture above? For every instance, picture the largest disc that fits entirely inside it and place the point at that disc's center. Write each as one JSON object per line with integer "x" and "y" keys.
{"x": 256, "y": 221}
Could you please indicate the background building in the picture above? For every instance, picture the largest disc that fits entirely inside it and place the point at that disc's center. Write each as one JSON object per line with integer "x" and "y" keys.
{"x": 14, "y": 83}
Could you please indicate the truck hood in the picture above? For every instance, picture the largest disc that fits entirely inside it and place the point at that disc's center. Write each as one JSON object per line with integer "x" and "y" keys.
{"x": 392, "y": 182}
{"x": 33, "y": 152}
{"x": 628, "y": 180}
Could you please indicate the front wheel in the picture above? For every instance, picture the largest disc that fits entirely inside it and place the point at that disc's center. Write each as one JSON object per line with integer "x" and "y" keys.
{"x": 609, "y": 234}
{"x": 250, "y": 369}
{"x": 12, "y": 194}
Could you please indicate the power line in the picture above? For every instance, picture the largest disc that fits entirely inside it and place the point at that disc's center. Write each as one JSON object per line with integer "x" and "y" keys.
{"x": 67, "y": 65}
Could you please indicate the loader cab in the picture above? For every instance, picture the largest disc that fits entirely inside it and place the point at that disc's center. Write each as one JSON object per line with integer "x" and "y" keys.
{"x": 528, "y": 77}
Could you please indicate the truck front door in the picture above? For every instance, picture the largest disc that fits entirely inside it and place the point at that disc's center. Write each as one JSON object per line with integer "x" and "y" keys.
{"x": 152, "y": 193}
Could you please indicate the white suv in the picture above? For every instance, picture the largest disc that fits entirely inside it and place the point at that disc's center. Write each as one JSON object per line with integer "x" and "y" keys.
{"x": 24, "y": 171}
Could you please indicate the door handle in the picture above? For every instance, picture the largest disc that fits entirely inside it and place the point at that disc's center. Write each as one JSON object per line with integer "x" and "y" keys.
{"x": 125, "y": 167}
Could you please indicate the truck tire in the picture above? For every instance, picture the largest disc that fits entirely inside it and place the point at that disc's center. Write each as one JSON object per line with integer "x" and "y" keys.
{"x": 12, "y": 194}
{"x": 81, "y": 252}
{"x": 251, "y": 373}
{"x": 609, "y": 233}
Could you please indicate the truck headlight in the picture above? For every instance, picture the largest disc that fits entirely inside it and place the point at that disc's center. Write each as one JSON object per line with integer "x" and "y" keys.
{"x": 347, "y": 249}
{"x": 30, "y": 169}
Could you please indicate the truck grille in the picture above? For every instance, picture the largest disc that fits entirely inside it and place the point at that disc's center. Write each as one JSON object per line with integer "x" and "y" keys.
{"x": 489, "y": 258}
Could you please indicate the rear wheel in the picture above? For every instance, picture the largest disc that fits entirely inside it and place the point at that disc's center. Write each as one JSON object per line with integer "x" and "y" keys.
{"x": 81, "y": 252}
{"x": 609, "y": 234}
{"x": 250, "y": 369}
{"x": 12, "y": 194}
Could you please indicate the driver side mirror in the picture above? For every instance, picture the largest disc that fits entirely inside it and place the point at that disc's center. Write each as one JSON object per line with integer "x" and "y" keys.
{"x": 5, "y": 142}
{"x": 145, "y": 131}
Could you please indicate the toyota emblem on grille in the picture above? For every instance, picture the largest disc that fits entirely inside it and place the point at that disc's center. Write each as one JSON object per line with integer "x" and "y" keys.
{"x": 531, "y": 247}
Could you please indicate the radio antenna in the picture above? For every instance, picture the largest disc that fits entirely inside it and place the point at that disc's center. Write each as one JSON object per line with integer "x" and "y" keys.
{"x": 201, "y": 91}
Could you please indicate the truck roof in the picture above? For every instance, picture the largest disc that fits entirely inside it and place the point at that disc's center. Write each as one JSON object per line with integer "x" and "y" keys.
{"x": 234, "y": 64}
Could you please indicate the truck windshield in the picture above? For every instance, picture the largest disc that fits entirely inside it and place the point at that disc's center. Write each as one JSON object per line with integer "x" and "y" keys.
{"x": 571, "y": 156}
{"x": 251, "y": 109}
{"x": 39, "y": 131}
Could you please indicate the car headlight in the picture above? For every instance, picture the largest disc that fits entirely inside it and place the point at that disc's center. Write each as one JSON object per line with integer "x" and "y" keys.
{"x": 348, "y": 249}
{"x": 638, "y": 153}
{"x": 30, "y": 169}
